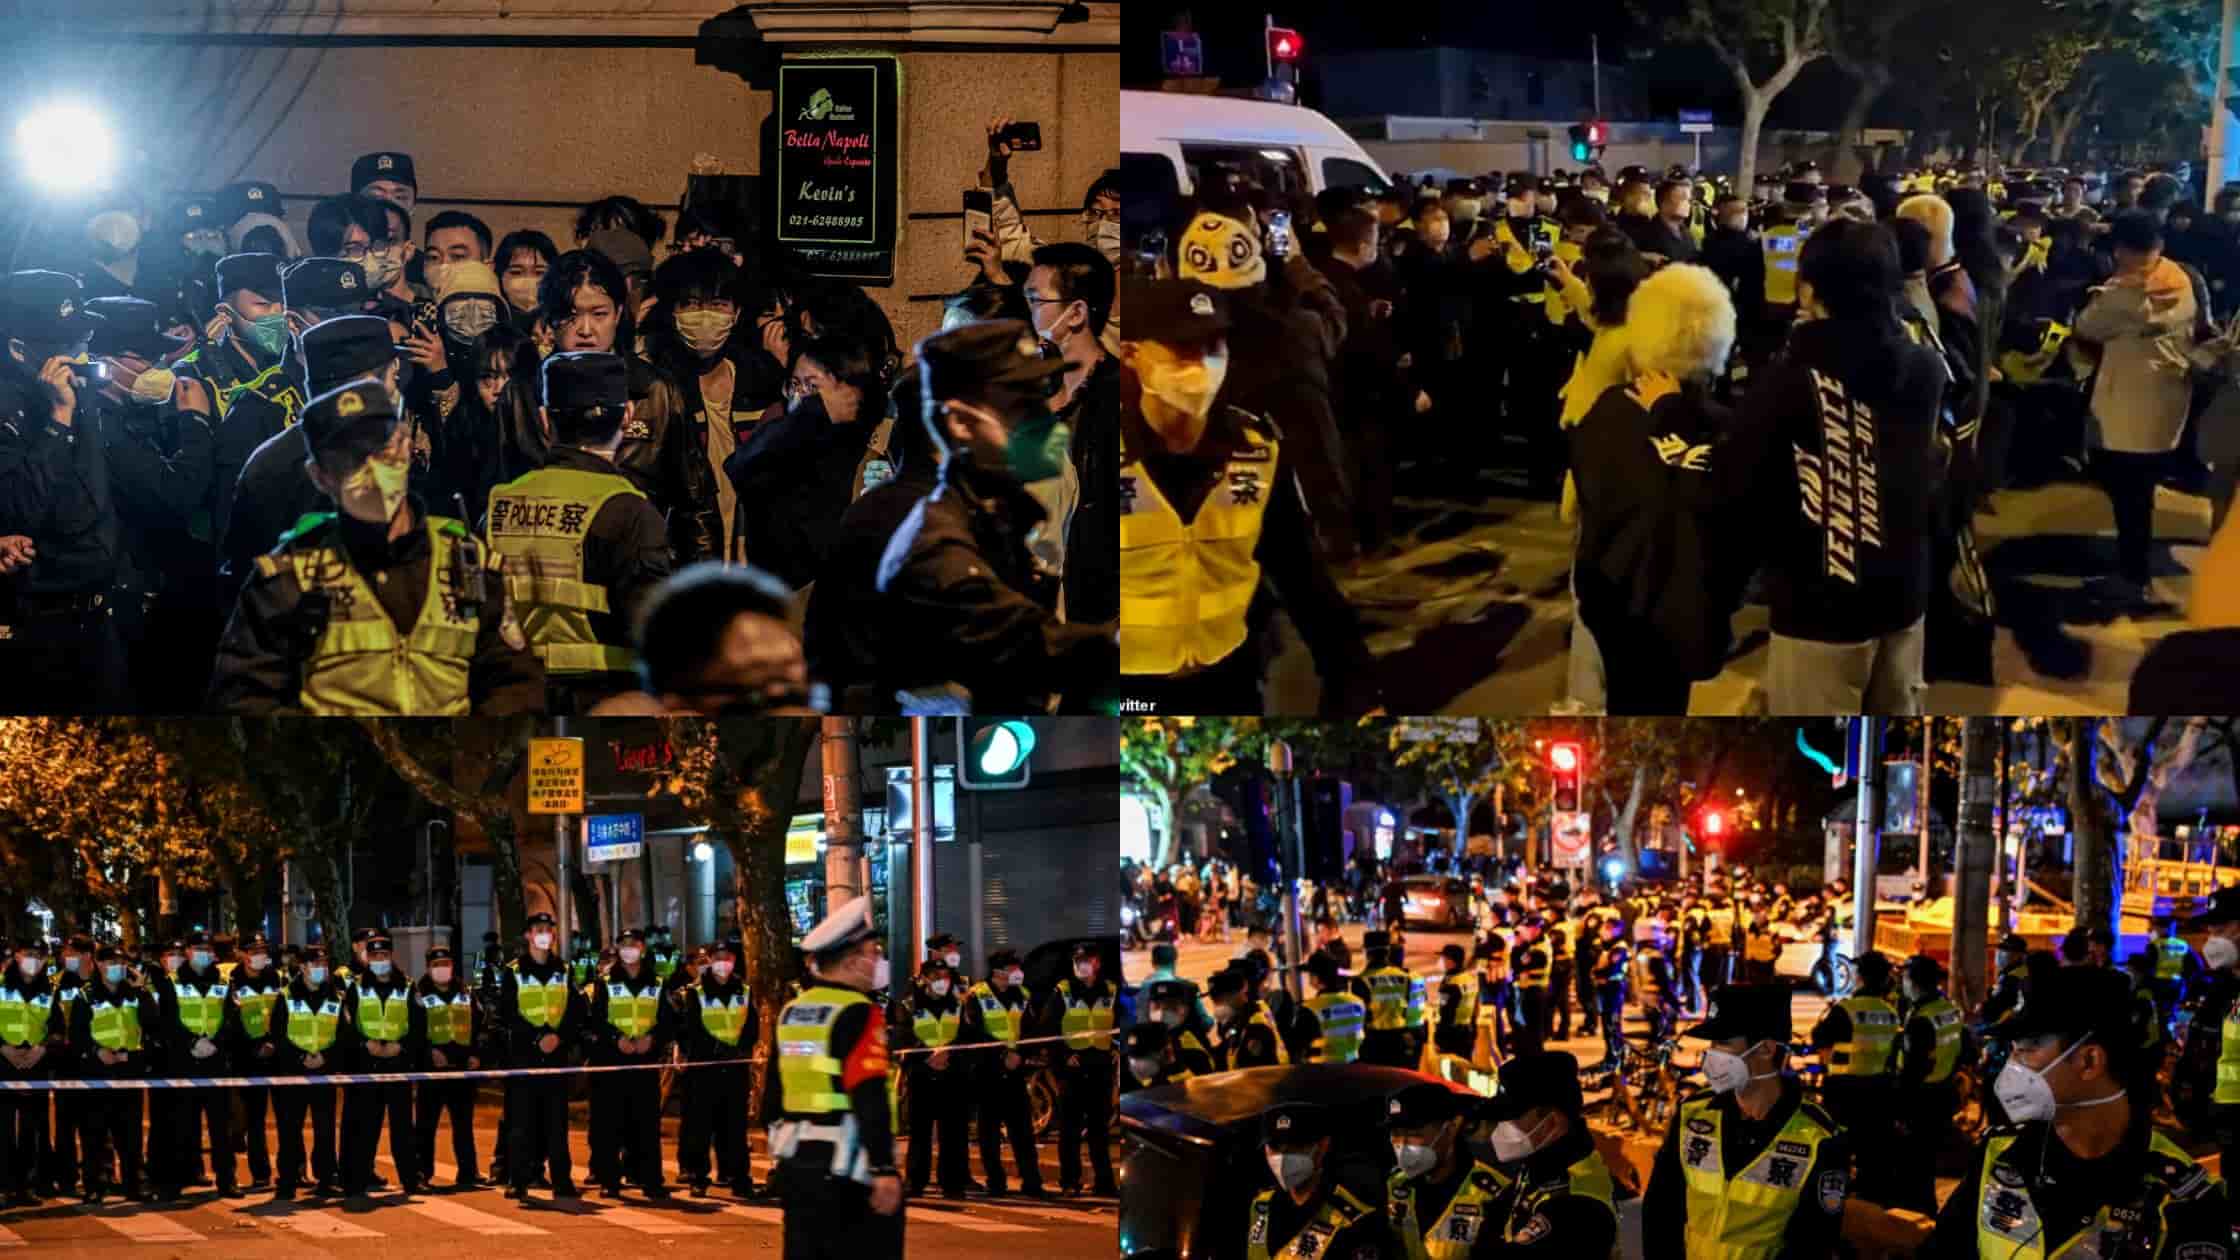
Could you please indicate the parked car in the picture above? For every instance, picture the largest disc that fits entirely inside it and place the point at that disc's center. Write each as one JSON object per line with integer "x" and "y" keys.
{"x": 1440, "y": 900}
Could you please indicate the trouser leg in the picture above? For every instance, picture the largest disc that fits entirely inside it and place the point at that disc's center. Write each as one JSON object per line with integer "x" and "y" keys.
{"x": 990, "y": 1137}
{"x": 1071, "y": 1123}
{"x": 731, "y": 1130}
{"x": 954, "y": 1122}
{"x": 288, "y": 1107}
{"x": 924, "y": 1110}
{"x": 255, "y": 1101}
{"x": 1022, "y": 1136}
{"x": 606, "y": 1135}
{"x": 321, "y": 1106}
{"x": 1093, "y": 1090}
{"x": 552, "y": 1106}
{"x": 694, "y": 1128}
{"x": 644, "y": 1121}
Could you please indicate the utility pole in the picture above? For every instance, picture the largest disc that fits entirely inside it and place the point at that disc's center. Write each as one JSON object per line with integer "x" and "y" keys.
{"x": 1867, "y": 848}
{"x": 563, "y": 894}
{"x": 921, "y": 840}
{"x": 1974, "y": 844}
{"x": 1292, "y": 865}
{"x": 843, "y": 813}
{"x": 2220, "y": 118}
{"x": 1921, "y": 806}
{"x": 1594, "y": 49}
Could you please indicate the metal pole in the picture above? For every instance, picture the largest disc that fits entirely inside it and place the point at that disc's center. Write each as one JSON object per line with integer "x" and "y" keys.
{"x": 2003, "y": 922}
{"x": 921, "y": 838}
{"x": 1267, "y": 54}
{"x": 1928, "y": 767}
{"x": 1974, "y": 855}
{"x": 1867, "y": 848}
{"x": 560, "y": 845}
{"x": 843, "y": 813}
{"x": 2220, "y": 118}
{"x": 1594, "y": 45}
{"x": 1292, "y": 865}
{"x": 287, "y": 902}
{"x": 973, "y": 873}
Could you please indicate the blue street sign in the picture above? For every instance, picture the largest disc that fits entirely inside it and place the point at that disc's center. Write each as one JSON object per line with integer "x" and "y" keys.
{"x": 613, "y": 837}
{"x": 1695, "y": 115}
{"x": 1184, "y": 54}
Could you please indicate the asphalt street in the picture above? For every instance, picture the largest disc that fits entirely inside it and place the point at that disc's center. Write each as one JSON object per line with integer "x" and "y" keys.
{"x": 478, "y": 1223}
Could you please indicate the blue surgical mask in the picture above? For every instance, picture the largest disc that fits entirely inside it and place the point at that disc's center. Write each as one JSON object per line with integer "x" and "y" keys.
{"x": 315, "y": 976}
{"x": 113, "y": 973}
{"x": 379, "y": 967}
{"x": 201, "y": 959}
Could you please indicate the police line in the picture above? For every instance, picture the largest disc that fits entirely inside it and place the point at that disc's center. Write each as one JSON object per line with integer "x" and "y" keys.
{"x": 465, "y": 1074}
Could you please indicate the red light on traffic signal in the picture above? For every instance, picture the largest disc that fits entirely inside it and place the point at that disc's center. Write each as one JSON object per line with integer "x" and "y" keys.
{"x": 1564, "y": 757}
{"x": 1596, "y": 133}
{"x": 1713, "y": 824}
{"x": 1284, "y": 44}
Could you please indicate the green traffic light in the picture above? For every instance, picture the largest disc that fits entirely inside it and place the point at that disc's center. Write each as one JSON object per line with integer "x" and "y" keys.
{"x": 1002, "y": 748}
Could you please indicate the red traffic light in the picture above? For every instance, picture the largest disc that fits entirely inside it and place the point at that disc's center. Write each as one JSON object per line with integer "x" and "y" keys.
{"x": 1713, "y": 823}
{"x": 1564, "y": 757}
{"x": 1597, "y": 133}
{"x": 1284, "y": 44}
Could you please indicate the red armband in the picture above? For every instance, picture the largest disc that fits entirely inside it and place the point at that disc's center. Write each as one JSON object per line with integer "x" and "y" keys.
{"x": 867, "y": 1059}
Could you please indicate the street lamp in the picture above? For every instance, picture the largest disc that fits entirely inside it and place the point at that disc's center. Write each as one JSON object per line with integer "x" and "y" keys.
{"x": 702, "y": 851}
{"x": 65, "y": 147}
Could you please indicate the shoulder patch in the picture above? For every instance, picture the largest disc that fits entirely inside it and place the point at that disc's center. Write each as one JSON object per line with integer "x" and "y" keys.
{"x": 1533, "y": 1230}
{"x": 1834, "y": 1187}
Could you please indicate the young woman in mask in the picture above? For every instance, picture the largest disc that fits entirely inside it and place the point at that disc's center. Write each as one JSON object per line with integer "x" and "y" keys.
{"x": 794, "y": 477}
{"x": 585, "y": 302}
{"x": 724, "y": 379}
{"x": 522, "y": 258}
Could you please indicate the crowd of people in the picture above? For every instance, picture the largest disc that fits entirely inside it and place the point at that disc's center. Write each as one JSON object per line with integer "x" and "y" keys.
{"x": 2068, "y": 1056}
{"x": 208, "y": 1005}
{"x": 1802, "y": 400}
{"x": 369, "y": 463}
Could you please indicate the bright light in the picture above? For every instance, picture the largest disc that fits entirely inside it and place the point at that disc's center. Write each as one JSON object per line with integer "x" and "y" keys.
{"x": 1738, "y": 791}
{"x": 1613, "y": 868}
{"x": 1713, "y": 824}
{"x": 65, "y": 147}
{"x": 1385, "y": 816}
{"x": 702, "y": 851}
{"x": 1564, "y": 757}
{"x": 1135, "y": 829}
{"x": 1002, "y": 751}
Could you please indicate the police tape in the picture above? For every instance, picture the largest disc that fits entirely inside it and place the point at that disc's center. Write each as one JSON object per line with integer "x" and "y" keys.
{"x": 461, "y": 1074}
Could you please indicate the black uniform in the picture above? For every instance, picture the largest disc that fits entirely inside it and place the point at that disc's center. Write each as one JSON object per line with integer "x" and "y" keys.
{"x": 455, "y": 1099}
{"x": 2157, "y": 1203}
{"x": 290, "y": 1102}
{"x": 249, "y": 1001}
{"x": 1084, "y": 1087}
{"x": 626, "y": 1106}
{"x": 940, "y": 1096}
{"x": 1529, "y": 970}
{"x": 63, "y": 1165}
{"x": 113, "y": 1117}
{"x": 715, "y": 1099}
{"x": 835, "y": 1220}
{"x": 1245, "y": 1042}
{"x": 538, "y": 1137}
{"x": 23, "y": 1116}
{"x": 1816, "y": 1222}
{"x": 1002, "y": 1091}
{"x": 1610, "y": 995}
{"x": 364, "y": 1107}
{"x": 198, "y": 1110}
{"x": 1536, "y": 1214}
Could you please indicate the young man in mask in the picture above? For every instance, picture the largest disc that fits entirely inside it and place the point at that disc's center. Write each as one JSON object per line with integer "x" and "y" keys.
{"x": 33, "y": 1021}
{"x": 2207, "y": 1078}
{"x": 239, "y": 380}
{"x": 376, "y": 608}
{"x": 194, "y": 1033}
{"x": 62, "y": 653}
{"x": 308, "y": 1023}
{"x": 381, "y": 1010}
{"x": 1215, "y": 481}
{"x": 962, "y": 602}
{"x": 1069, "y": 293}
{"x": 1439, "y": 1192}
{"x": 450, "y": 1027}
{"x": 2082, "y": 1168}
{"x": 1751, "y": 1131}
{"x": 1152, "y": 1058}
{"x": 582, "y": 546}
{"x": 1555, "y": 1197}
{"x": 542, "y": 1017}
{"x": 996, "y": 1012}
{"x": 927, "y": 1021}
{"x": 1311, "y": 1210}
{"x": 1248, "y": 1033}
{"x": 252, "y": 1037}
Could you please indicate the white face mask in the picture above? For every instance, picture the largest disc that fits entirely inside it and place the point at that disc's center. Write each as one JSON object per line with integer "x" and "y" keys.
{"x": 1292, "y": 1169}
{"x": 439, "y": 975}
{"x": 1190, "y": 389}
{"x": 1726, "y": 1072}
{"x": 31, "y": 967}
{"x": 1018, "y": 976}
{"x": 374, "y": 493}
{"x": 383, "y": 266}
{"x": 2028, "y": 1095}
{"x": 1105, "y": 236}
{"x": 1511, "y": 1143}
{"x": 115, "y": 229}
{"x": 1415, "y": 1158}
{"x": 954, "y": 959}
{"x": 938, "y": 988}
{"x": 721, "y": 967}
{"x": 1085, "y": 971}
{"x": 154, "y": 386}
{"x": 542, "y": 940}
{"x": 1145, "y": 1069}
{"x": 258, "y": 962}
{"x": 2219, "y": 953}
{"x": 882, "y": 974}
{"x": 631, "y": 954}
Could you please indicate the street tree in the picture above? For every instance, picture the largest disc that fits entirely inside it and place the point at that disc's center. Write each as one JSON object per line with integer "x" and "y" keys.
{"x": 1763, "y": 44}
{"x": 2115, "y": 768}
{"x": 1463, "y": 761}
{"x": 1862, "y": 38}
{"x": 322, "y": 785}
{"x": 1164, "y": 759}
{"x": 490, "y": 755}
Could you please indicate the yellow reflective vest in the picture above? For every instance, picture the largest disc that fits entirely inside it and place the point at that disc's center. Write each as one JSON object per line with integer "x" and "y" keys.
{"x": 1340, "y": 1015}
{"x": 384, "y": 1018}
{"x": 2008, "y": 1225}
{"x": 1588, "y": 1178}
{"x": 24, "y": 1018}
{"x": 2170, "y": 958}
{"x": 1781, "y": 245}
{"x": 538, "y": 522}
{"x": 1185, "y": 587}
{"x": 449, "y": 1019}
{"x": 1087, "y": 1020}
{"x": 1742, "y": 1215}
{"x": 360, "y": 665}
{"x": 1340, "y": 1210}
{"x": 255, "y": 1008}
{"x": 631, "y": 1012}
{"x": 1388, "y": 997}
{"x": 1874, "y": 1033}
{"x": 1944, "y": 1017}
{"x": 1001, "y": 1021}
{"x": 2228, "y": 1058}
{"x": 935, "y": 1028}
{"x": 202, "y": 1007}
{"x": 1454, "y": 1236}
{"x": 724, "y": 1018}
{"x": 311, "y": 1029}
{"x": 543, "y": 1003}
{"x": 808, "y": 1071}
{"x": 116, "y": 1025}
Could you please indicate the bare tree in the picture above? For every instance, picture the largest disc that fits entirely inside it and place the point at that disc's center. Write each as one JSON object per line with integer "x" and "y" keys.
{"x": 1763, "y": 44}
{"x": 1862, "y": 43}
{"x": 410, "y": 748}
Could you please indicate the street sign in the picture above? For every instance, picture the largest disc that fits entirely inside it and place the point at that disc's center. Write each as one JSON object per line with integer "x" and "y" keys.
{"x": 1461, "y": 729}
{"x": 1183, "y": 53}
{"x": 613, "y": 837}
{"x": 1572, "y": 837}
{"x": 556, "y": 776}
{"x": 1695, "y": 122}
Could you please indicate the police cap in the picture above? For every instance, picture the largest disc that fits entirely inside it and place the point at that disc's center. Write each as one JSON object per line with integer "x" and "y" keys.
{"x": 1426, "y": 1103}
{"x": 324, "y": 284}
{"x": 197, "y": 214}
{"x": 541, "y": 918}
{"x": 197, "y": 937}
{"x": 379, "y": 943}
{"x": 1171, "y": 992}
{"x": 1753, "y": 1012}
{"x": 387, "y": 165}
{"x": 108, "y": 953}
{"x": 238, "y": 201}
{"x": 941, "y": 939}
{"x": 31, "y": 945}
{"x": 1003, "y": 958}
{"x": 130, "y": 325}
{"x": 45, "y": 308}
{"x": 630, "y": 934}
{"x": 2013, "y": 944}
{"x": 1173, "y": 311}
{"x": 1376, "y": 940}
{"x": 1145, "y": 1040}
{"x": 1922, "y": 969}
{"x": 2075, "y": 1002}
{"x": 581, "y": 380}
{"x": 345, "y": 348}
{"x": 933, "y": 963}
{"x": 996, "y": 356}
{"x": 313, "y": 952}
{"x": 1088, "y": 949}
{"x": 1294, "y": 1124}
{"x": 254, "y": 942}
{"x": 439, "y": 953}
{"x": 1229, "y": 980}
{"x": 258, "y": 273}
{"x": 360, "y": 411}
{"x": 840, "y": 929}
{"x": 1800, "y": 193}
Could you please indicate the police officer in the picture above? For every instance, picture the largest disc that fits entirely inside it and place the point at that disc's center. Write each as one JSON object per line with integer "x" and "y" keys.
{"x": 196, "y": 1037}
{"x": 629, "y": 1023}
{"x": 1081, "y": 1008}
{"x": 2207, "y": 1081}
{"x": 2006, "y": 992}
{"x": 238, "y": 379}
{"x": 928, "y": 1020}
{"x": 581, "y": 544}
{"x": 1438, "y": 1200}
{"x": 115, "y": 1021}
{"x": 1328, "y": 1026}
{"x": 162, "y": 1165}
{"x": 379, "y": 608}
{"x": 33, "y": 1023}
{"x": 382, "y": 1038}
{"x": 1655, "y": 994}
{"x": 1455, "y": 1031}
{"x": 1555, "y": 1197}
{"x": 717, "y": 1025}
{"x": 1529, "y": 971}
{"x": 996, "y": 1011}
{"x": 2176, "y": 966}
{"x": 1149, "y": 1051}
{"x": 1695, "y": 931}
{"x": 64, "y": 1164}
{"x": 1169, "y": 1002}
{"x": 2081, "y": 1169}
{"x": 664, "y": 953}
{"x": 1310, "y": 1213}
{"x": 1748, "y": 1167}
{"x": 1386, "y": 1042}
{"x": 1248, "y": 1034}
{"x": 251, "y": 1042}
{"x": 1217, "y": 483}
{"x": 1928, "y": 1052}
{"x": 1610, "y": 963}
{"x": 1858, "y": 1038}
{"x": 449, "y": 1028}
{"x": 543, "y": 1019}
{"x": 832, "y": 1136}
{"x": 61, "y": 652}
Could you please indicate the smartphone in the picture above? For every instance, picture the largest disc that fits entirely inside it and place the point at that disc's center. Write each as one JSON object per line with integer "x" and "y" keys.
{"x": 1023, "y": 137}
{"x": 91, "y": 374}
{"x": 979, "y": 213}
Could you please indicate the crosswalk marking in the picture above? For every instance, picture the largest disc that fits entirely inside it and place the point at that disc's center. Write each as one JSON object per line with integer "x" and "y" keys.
{"x": 1052, "y": 1213}
{"x": 641, "y": 1220}
{"x": 10, "y": 1238}
{"x": 323, "y": 1223}
{"x": 759, "y": 1215}
{"x": 144, "y": 1227}
{"x": 460, "y": 1216}
{"x": 957, "y": 1220}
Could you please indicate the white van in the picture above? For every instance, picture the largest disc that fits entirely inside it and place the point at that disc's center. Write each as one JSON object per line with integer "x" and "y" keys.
{"x": 1170, "y": 141}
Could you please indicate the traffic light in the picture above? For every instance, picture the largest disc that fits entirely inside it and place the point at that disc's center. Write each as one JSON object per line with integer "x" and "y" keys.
{"x": 1284, "y": 46}
{"x": 992, "y": 753}
{"x": 1713, "y": 822}
{"x": 1563, "y": 765}
{"x": 1587, "y": 140}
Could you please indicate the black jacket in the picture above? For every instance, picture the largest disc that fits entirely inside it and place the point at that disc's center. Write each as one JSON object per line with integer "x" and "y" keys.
{"x": 1836, "y": 443}
{"x": 273, "y": 494}
{"x": 696, "y": 529}
{"x": 962, "y": 601}
{"x": 842, "y": 634}
{"x": 795, "y": 477}
{"x": 1092, "y": 576}
{"x": 54, "y": 487}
